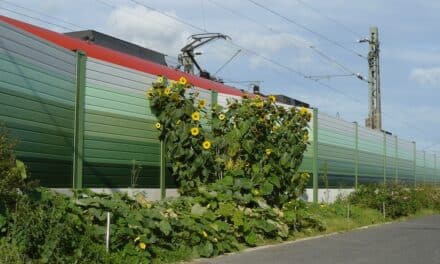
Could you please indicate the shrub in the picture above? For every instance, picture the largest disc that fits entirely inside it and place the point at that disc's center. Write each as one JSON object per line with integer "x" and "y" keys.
{"x": 13, "y": 178}
{"x": 398, "y": 199}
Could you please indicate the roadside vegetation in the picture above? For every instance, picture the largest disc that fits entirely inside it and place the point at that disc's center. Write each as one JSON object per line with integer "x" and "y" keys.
{"x": 239, "y": 185}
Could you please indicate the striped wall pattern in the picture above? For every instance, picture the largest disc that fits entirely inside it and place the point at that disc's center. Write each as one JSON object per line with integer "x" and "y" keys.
{"x": 346, "y": 149}
{"x": 37, "y": 98}
{"x": 39, "y": 91}
{"x": 119, "y": 127}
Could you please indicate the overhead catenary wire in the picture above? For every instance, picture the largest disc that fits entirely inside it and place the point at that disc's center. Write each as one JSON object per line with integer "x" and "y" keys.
{"x": 249, "y": 51}
{"x": 303, "y": 42}
{"x": 346, "y": 28}
{"x": 306, "y": 28}
{"x": 37, "y": 19}
{"x": 228, "y": 61}
{"x": 42, "y": 14}
{"x": 244, "y": 49}
{"x": 317, "y": 82}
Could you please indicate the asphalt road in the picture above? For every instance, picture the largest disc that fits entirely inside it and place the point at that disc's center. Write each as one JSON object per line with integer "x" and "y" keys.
{"x": 412, "y": 242}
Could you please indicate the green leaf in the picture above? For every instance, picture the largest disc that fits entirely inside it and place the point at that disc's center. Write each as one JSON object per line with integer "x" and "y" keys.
{"x": 205, "y": 249}
{"x": 266, "y": 188}
{"x": 251, "y": 239}
{"x": 237, "y": 218}
{"x": 198, "y": 210}
{"x": 226, "y": 209}
{"x": 21, "y": 168}
{"x": 275, "y": 181}
{"x": 165, "y": 227}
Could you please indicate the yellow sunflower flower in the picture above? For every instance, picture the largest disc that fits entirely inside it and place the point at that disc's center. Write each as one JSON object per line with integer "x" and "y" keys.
{"x": 268, "y": 151}
{"x": 202, "y": 103}
{"x": 183, "y": 81}
{"x": 167, "y": 91}
{"x": 195, "y": 131}
{"x": 160, "y": 79}
{"x": 206, "y": 144}
{"x": 272, "y": 98}
{"x": 149, "y": 93}
{"x": 221, "y": 117}
{"x": 306, "y": 137}
{"x": 158, "y": 125}
{"x": 142, "y": 246}
{"x": 303, "y": 111}
{"x": 259, "y": 104}
{"x": 195, "y": 116}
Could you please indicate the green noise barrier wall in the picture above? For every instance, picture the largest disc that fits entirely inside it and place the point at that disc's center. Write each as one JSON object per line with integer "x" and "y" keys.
{"x": 83, "y": 122}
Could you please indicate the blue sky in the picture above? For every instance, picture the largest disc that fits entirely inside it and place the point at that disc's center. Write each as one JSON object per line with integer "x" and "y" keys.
{"x": 408, "y": 30}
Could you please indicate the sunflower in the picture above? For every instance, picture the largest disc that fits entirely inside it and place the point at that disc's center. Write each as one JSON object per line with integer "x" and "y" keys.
{"x": 268, "y": 151}
{"x": 306, "y": 137}
{"x": 167, "y": 91}
{"x": 195, "y": 116}
{"x": 158, "y": 125}
{"x": 221, "y": 117}
{"x": 149, "y": 93}
{"x": 259, "y": 104}
{"x": 160, "y": 79}
{"x": 303, "y": 111}
{"x": 183, "y": 81}
{"x": 142, "y": 245}
{"x": 272, "y": 98}
{"x": 202, "y": 103}
{"x": 206, "y": 144}
{"x": 195, "y": 131}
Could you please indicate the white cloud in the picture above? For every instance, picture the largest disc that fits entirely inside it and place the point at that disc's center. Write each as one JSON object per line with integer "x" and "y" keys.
{"x": 148, "y": 28}
{"x": 429, "y": 76}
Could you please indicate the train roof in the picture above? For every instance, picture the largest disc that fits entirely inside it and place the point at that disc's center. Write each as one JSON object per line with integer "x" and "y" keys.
{"x": 112, "y": 56}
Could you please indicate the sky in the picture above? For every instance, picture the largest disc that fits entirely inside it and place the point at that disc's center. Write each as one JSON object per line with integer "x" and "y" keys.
{"x": 303, "y": 38}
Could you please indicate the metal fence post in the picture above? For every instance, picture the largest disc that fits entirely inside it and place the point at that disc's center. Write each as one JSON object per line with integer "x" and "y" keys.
{"x": 315, "y": 155}
{"x": 384, "y": 158}
{"x": 214, "y": 98}
{"x": 78, "y": 141}
{"x": 356, "y": 154}
{"x": 163, "y": 165}
{"x": 396, "y": 162}
{"x": 436, "y": 176}
{"x": 415, "y": 163}
{"x": 434, "y": 180}
{"x": 424, "y": 167}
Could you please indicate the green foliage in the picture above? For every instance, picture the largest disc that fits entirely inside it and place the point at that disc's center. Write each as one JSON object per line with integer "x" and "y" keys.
{"x": 49, "y": 227}
{"x": 13, "y": 178}
{"x": 253, "y": 140}
{"x": 399, "y": 200}
{"x": 9, "y": 253}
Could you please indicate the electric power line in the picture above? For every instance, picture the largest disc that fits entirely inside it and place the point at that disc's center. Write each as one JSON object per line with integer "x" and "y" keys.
{"x": 280, "y": 65}
{"x": 36, "y": 18}
{"x": 306, "y": 28}
{"x": 306, "y": 44}
{"x": 346, "y": 28}
{"x": 42, "y": 14}
{"x": 228, "y": 61}
{"x": 285, "y": 67}
{"x": 249, "y": 51}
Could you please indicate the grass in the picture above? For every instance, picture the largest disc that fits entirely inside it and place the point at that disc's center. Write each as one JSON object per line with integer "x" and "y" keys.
{"x": 334, "y": 216}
